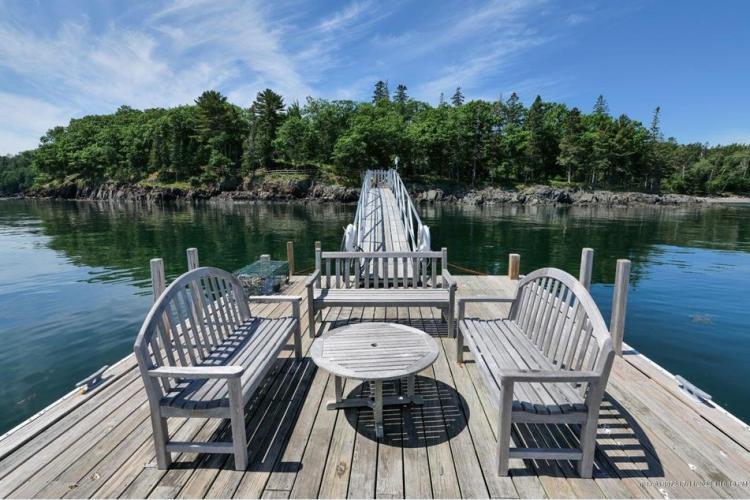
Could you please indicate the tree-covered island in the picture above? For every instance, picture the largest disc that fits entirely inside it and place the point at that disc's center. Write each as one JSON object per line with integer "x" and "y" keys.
{"x": 221, "y": 146}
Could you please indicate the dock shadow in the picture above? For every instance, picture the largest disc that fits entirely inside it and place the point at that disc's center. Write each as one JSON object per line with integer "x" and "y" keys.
{"x": 442, "y": 416}
{"x": 623, "y": 450}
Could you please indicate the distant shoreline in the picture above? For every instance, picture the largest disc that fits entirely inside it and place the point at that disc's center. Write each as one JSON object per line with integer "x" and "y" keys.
{"x": 303, "y": 190}
{"x": 729, "y": 200}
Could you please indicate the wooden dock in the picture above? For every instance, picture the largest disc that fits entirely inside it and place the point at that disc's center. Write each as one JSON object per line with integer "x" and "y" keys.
{"x": 383, "y": 230}
{"x": 653, "y": 440}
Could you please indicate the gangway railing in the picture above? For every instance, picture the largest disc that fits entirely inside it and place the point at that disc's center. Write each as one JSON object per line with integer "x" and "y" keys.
{"x": 408, "y": 212}
{"x": 418, "y": 235}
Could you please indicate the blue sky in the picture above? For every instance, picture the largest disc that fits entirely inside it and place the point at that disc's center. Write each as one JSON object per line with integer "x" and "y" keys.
{"x": 64, "y": 58}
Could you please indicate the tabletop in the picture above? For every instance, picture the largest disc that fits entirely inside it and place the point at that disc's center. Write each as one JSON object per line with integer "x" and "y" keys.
{"x": 374, "y": 351}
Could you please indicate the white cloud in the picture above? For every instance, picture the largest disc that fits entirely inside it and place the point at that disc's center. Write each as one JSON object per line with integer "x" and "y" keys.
{"x": 345, "y": 17}
{"x": 575, "y": 19}
{"x": 498, "y": 32}
{"x": 25, "y": 120}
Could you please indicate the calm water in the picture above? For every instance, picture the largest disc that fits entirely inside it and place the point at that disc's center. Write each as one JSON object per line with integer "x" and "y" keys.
{"x": 74, "y": 279}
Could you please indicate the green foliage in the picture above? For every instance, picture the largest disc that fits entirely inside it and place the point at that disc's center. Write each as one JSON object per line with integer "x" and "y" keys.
{"x": 17, "y": 172}
{"x": 215, "y": 143}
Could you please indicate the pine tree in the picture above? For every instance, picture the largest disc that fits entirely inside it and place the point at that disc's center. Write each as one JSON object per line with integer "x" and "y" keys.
{"x": 441, "y": 101}
{"x": 401, "y": 96}
{"x": 381, "y": 92}
{"x": 536, "y": 146}
{"x": 458, "y": 97}
{"x": 514, "y": 110}
{"x": 655, "y": 129}
{"x": 266, "y": 116}
{"x": 572, "y": 147}
{"x": 601, "y": 107}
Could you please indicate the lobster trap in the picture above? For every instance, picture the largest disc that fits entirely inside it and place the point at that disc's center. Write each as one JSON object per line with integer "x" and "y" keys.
{"x": 264, "y": 276}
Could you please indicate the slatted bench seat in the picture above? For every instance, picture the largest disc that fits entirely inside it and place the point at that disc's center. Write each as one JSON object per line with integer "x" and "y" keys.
{"x": 548, "y": 362}
{"x": 381, "y": 279}
{"x": 202, "y": 354}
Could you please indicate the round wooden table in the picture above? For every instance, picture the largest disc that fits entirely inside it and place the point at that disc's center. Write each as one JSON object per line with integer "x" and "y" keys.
{"x": 374, "y": 352}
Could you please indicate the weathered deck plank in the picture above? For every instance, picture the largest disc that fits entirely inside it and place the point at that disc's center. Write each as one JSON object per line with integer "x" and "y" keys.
{"x": 652, "y": 441}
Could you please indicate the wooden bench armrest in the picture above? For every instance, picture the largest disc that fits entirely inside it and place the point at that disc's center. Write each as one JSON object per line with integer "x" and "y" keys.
{"x": 485, "y": 298}
{"x": 462, "y": 301}
{"x": 197, "y": 372}
{"x": 548, "y": 376}
{"x": 448, "y": 279}
{"x": 295, "y": 300}
{"x": 310, "y": 281}
{"x": 274, "y": 299}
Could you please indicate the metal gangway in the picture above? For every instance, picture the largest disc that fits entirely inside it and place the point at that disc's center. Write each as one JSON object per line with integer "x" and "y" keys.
{"x": 386, "y": 219}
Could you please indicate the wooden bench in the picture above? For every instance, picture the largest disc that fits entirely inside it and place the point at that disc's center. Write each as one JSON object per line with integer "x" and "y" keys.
{"x": 381, "y": 279}
{"x": 202, "y": 354}
{"x": 547, "y": 363}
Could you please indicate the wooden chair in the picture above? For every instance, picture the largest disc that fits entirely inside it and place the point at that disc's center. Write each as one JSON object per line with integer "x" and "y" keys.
{"x": 202, "y": 354}
{"x": 547, "y": 363}
{"x": 381, "y": 279}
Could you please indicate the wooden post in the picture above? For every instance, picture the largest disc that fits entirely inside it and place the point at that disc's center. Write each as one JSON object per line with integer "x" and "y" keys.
{"x": 619, "y": 304}
{"x": 587, "y": 265}
{"x": 192, "y": 259}
{"x": 265, "y": 257}
{"x": 317, "y": 260}
{"x": 158, "y": 281}
{"x": 514, "y": 266}
{"x": 290, "y": 257}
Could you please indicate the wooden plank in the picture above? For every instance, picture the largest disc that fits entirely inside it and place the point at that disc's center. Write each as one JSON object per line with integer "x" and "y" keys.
{"x": 27, "y": 461}
{"x": 468, "y": 469}
{"x": 335, "y": 480}
{"x": 443, "y": 475}
{"x": 390, "y": 465}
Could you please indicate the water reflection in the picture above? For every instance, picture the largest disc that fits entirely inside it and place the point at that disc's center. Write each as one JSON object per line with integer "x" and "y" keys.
{"x": 74, "y": 278}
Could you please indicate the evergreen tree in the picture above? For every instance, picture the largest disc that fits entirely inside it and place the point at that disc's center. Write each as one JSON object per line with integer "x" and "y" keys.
{"x": 381, "y": 93}
{"x": 212, "y": 114}
{"x": 536, "y": 145}
{"x": 655, "y": 129}
{"x": 601, "y": 107}
{"x": 220, "y": 130}
{"x": 458, "y": 97}
{"x": 441, "y": 101}
{"x": 514, "y": 110}
{"x": 266, "y": 115}
{"x": 572, "y": 155}
{"x": 401, "y": 96}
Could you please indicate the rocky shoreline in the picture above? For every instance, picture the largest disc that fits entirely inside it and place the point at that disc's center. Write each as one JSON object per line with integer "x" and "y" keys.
{"x": 310, "y": 191}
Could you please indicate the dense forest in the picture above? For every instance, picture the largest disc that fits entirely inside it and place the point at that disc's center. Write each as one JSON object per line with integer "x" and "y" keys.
{"x": 217, "y": 144}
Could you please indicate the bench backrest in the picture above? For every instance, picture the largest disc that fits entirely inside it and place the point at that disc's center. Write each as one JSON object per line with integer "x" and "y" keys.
{"x": 381, "y": 269}
{"x": 560, "y": 317}
{"x": 194, "y": 315}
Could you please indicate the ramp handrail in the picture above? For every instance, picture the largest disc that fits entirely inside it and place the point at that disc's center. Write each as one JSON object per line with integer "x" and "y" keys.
{"x": 361, "y": 213}
{"x": 408, "y": 212}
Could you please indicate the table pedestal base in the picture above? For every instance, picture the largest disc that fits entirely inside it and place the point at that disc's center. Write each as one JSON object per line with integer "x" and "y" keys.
{"x": 377, "y": 402}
